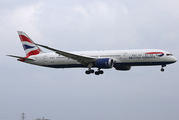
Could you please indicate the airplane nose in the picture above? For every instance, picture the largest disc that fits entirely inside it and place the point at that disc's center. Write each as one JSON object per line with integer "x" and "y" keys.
{"x": 174, "y": 59}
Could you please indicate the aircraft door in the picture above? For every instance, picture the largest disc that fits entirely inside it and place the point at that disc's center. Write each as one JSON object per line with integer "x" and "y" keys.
{"x": 45, "y": 60}
{"x": 125, "y": 57}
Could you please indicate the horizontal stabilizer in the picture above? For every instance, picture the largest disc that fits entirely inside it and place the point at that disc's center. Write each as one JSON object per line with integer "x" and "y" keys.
{"x": 21, "y": 58}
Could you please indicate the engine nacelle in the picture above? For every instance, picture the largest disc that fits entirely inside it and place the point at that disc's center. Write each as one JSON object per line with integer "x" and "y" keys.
{"x": 121, "y": 67}
{"x": 104, "y": 63}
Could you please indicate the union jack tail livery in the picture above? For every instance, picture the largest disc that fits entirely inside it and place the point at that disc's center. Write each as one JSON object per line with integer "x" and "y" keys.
{"x": 29, "y": 47}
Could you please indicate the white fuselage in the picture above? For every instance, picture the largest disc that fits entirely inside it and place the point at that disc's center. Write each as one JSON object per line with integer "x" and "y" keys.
{"x": 120, "y": 57}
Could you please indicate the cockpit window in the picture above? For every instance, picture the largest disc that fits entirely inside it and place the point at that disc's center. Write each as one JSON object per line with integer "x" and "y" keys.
{"x": 168, "y": 54}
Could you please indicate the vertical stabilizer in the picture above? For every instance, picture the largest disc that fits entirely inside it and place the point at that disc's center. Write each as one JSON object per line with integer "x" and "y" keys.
{"x": 29, "y": 47}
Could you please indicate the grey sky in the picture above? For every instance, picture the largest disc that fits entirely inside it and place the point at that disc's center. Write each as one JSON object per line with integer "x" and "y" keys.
{"x": 66, "y": 94}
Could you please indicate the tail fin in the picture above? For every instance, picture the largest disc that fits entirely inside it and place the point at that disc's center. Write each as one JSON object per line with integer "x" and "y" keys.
{"x": 29, "y": 47}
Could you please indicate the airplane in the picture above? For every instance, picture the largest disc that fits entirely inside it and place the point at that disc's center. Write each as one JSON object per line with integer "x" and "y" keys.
{"x": 118, "y": 59}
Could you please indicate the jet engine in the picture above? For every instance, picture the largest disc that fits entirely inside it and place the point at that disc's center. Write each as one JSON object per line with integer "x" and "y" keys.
{"x": 104, "y": 63}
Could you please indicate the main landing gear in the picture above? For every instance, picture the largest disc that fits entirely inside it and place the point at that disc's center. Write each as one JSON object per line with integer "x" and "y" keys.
{"x": 89, "y": 71}
{"x": 99, "y": 72}
{"x": 162, "y": 69}
{"x": 92, "y": 71}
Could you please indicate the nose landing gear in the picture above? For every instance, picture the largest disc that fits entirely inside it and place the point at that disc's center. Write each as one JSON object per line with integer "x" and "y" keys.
{"x": 162, "y": 69}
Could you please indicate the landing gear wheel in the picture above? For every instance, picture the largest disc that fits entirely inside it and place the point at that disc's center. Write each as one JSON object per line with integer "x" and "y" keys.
{"x": 162, "y": 68}
{"x": 91, "y": 71}
{"x": 96, "y": 73}
{"x": 87, "y": 72}
{"x": 101, "y": 72}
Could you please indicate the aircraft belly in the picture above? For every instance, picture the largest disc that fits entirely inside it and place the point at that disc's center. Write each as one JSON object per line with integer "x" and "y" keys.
{"x": 62, "y": 63}
{"x": 65, "y": 63}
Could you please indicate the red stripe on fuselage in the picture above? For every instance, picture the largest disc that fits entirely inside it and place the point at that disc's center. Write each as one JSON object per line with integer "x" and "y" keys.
{"x": 154, "y": 53}
{"x": 24, "y": 38}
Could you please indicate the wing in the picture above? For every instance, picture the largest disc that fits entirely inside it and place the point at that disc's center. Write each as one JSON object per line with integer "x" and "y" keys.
{"x": 85, "y": 60}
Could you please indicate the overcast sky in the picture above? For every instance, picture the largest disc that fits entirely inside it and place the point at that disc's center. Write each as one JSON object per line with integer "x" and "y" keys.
{"x": 143, "y": 93}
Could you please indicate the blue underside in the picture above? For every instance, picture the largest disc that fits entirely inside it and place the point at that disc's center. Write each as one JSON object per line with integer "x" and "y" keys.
{"x": 115, "y": 65}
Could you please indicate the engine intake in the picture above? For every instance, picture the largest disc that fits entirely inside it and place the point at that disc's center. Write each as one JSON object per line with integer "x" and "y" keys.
{"x": 104, "y": 63}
